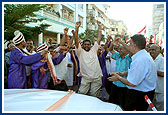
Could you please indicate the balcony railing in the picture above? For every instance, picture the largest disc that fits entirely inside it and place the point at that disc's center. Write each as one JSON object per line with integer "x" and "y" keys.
{"x": 50, "y": 15}
{"x": 91, "y": 13}
{"x": 58, "y": 19}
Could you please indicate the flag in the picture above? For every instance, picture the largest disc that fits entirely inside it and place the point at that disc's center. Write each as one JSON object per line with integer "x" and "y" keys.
{"x": 155, "y": 38}
{"x": 124, "y": 38}
{"x": 120, "y": 36}
{"x": 160, "y": 43}
{"x": 143, "y": 31}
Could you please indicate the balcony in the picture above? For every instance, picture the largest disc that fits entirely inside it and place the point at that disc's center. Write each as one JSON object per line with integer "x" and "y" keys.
{"x": 106, "y": 25}
{"x": 55, "y": 17}
{"x": 113, "y": 32}
{"x": 100, "y": 19}
{"x": 51, "y": 15}
{"x": 68, "y": 14}
{"x": 91, "y": 13}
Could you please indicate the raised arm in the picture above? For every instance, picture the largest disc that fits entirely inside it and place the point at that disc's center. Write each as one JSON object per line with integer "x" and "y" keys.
{"x": 109, "y": 38}
{"x": 99, "y": 32}
{"x": 131, "y": 52}
{"x": 64, "y": 37}
{"x": 76, "y": 34}
{"x": 73, "y": 37}
{"x": 107, "y": 43}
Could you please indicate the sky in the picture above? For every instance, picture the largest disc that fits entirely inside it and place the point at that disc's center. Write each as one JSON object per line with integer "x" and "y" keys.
{"x": 134, "y": 14}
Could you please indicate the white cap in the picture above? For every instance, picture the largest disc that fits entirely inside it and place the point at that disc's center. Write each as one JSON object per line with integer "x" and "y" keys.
{"x": 18, "y": 37}
{"x": 42, "y": 47}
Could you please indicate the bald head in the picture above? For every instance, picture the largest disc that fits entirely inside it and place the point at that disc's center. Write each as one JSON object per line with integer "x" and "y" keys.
{"x": 122, "y": 51}
{"x": 154, "y": 51}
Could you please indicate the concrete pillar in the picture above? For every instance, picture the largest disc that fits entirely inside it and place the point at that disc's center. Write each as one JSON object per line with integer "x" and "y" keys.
{"x": 40, "y": 39}
{"x": 58, "y": 38}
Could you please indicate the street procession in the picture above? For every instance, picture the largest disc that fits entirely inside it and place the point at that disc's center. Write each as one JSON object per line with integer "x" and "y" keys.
{"x": 82, "y": 57}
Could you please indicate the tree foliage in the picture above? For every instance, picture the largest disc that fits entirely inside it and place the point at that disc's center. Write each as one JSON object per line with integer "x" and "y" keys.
{"x": 16, "y": 16}
{"x": 90, "y": 34}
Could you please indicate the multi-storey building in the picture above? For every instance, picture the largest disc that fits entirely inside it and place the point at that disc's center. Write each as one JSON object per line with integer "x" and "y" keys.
{"x": 60, "y": 16}
{"x": 117, "y": 27}
{"x": 98, "y": 12}
{"x": 149, "y": 31}
{"x": 113, "y": 28}
{"x": 158, "y": 17}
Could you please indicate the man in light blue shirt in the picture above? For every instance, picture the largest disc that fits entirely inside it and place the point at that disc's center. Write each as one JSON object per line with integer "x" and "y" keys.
{"x": 142, "y": 75}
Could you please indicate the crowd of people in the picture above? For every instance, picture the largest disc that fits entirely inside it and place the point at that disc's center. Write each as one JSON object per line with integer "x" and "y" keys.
{"x": 115, "y": 71}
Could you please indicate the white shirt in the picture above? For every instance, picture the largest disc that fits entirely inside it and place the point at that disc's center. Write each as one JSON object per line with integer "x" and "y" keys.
{"x": 89, "y": 63}
{"x": 69, "y": 77}
{"x": 61, "y": 68}
{"x": 28, "y": 69}
{"x": 142, "y": 72}
{"x": 29, "y": 52}
{"x": 112, "y": 67}
{"x": 159, "y": 61}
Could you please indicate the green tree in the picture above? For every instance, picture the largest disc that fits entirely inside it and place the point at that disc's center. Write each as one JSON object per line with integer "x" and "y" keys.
{"x": 90, "y": 34}
{"x": 16, "y": 16}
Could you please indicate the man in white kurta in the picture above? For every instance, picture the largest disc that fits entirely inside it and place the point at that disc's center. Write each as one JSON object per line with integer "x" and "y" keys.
{"x": 90, "y": 70}
{"x": 159, "y": 91}
{"x": 89, "y": 64}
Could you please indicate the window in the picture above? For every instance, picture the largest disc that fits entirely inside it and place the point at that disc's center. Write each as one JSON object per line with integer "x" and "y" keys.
{"x": 86, "y": 6}
{"x": 68, "y": 14}
{"x": 80, "y": 6}
{"x": 160, "y": 6}
{"x": 81, "y": 20}
{"x": 99, "y": 14}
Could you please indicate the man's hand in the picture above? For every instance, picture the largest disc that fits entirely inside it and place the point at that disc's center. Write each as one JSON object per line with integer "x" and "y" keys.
{"x": 73, "y": 32}
{"x": 109, "y": 38}
{"x": 78, "y": 24}
{"x": 117, "y": 40}
{"x": 114, "y": 77}
{"x": 120, "y": 73}
{"x": 64, "y": 52}
{"x": 66, "y": 31}
{"x": 43, "y": 53}
{"x": 69, "y": 65}
{"x": 108, "y": 57}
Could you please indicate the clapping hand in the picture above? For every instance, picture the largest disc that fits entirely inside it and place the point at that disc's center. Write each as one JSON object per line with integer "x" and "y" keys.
{"x": 114, "y": 77}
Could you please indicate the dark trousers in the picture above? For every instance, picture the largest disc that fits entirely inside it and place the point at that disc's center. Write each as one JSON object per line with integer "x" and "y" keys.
{"x": 118, "y": 95}
{"x": 135, "y": 100}
{"x": 62, "y": 86}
